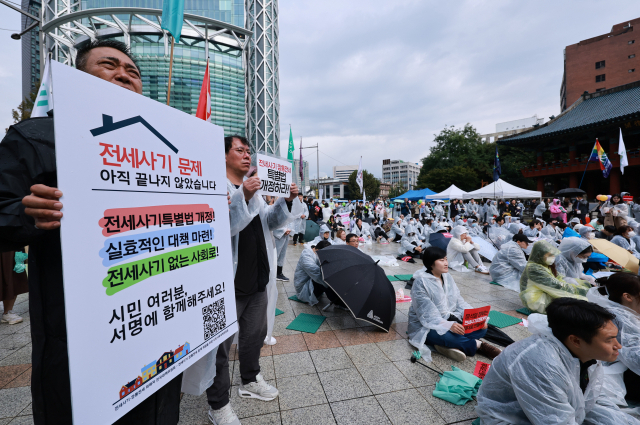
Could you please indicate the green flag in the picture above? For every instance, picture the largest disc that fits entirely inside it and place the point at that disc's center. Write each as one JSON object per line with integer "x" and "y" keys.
{"x": 172, "y": 16}
{"x": 290, "y": 155}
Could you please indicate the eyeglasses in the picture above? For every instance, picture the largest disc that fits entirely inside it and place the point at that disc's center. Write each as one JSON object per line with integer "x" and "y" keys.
{"x": 242, "y": 151}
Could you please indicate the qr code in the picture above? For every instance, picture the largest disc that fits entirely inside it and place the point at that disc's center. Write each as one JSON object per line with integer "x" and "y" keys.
{"x": 214, "y": 318}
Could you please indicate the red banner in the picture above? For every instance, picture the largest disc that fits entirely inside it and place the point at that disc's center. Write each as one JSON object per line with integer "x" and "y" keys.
{"x": 481, "y": 369}
{"x": 474, "y": 318}
{"x": 627, "y": 198}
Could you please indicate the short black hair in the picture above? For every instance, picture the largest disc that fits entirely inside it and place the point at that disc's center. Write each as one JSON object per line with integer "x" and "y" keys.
{"x": 534, "y": 221}
{"x": 322, "y": 244}
{"x": 228, "y": 142}
{"x": 83, "y": 52}
{"x": 351, "y": 236}
{"x": 609, "y": 228}
{"x": 431, "y": 255}
{"x": 622, "y": 230}
{"x": 571, "y": 316}
{"x": 618, "y": 284}
{"x": 586, "y": 250}
{"x": 499, "y": 218}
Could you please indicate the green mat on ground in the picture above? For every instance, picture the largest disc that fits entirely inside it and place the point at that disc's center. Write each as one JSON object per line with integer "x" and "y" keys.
{"x": 502, "y": 320}
{"x": 306, "y": 323}
{"x": 279, "y": 312}
{"x": 392, "y": 278}
{"x": 404, "y": 276}
{"x": 524, "y": 310}
{"x": 295, "y": 298}
{"x": 494, "y": 283}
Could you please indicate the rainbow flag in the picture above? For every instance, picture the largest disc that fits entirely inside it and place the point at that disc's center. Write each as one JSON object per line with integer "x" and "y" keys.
{"x": 598, "y": 154}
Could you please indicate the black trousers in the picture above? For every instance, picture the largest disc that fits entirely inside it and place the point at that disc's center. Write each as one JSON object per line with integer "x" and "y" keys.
{"x": 379, "y": 232}
{"x": 632, "y": 382}
{"x": 319, "y": 289}
{"x": 298, "y": 237}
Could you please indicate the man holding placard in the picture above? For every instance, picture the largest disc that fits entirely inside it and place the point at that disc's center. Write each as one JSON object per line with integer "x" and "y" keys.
{"x": 30, "y": 215}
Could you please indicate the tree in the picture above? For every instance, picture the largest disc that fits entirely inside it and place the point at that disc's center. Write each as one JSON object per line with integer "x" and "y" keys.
{"x": 396, "y": 190}
{"x": 370, "y": 183}
{"x": 25, "y": 107}
{"x": 470, "y": 160}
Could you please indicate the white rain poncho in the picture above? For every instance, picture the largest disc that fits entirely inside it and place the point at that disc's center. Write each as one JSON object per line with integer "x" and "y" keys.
{"x": 307, "y": 272}
{"x": 438, "y": 211}
{"x": 531, "y": 232}
{"x": 635, "y": 226}
{"x": 282, "y": 241}
{"x": 299, "y": 225}
{"x": 499, "y": 236}
{"x": 492, "y": 211}
{"x": 474, "y": 229}
{"x": 472, "y": 208}
{"x": 457, "y": 248}
{"x": 618, "y": 210}
{"x": 628, "y": 323}
{"x": 395, "y": 231}
{"x": 406, "y": 241}
{"x": 272, "y": 217}
{"x": 323, "y": 229}
{"x": 584, "y": 230}
{"x": 627, "y": 244}
{"x": 550, "y": 233}
{"x": 568, "y": 264}
{"x": 537, "y": 381}
{"x": 507, "y": 266}
{"x": 540, "y": 209}
{"x": 362, "y": 232}
{"x": 539, "y": 286}
{"x": 514, "y": 228}
{"x": 432, "y": 302}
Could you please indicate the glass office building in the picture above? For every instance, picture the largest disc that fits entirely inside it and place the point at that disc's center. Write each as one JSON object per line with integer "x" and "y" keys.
{"x": 150, "y": 50}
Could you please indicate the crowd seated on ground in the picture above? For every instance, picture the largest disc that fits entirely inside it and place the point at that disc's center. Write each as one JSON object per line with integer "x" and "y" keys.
{"x": 541, "y": 283}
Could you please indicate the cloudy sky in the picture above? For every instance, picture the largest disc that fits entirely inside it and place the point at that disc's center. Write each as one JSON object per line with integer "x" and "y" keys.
{"x": 378, "y": 78}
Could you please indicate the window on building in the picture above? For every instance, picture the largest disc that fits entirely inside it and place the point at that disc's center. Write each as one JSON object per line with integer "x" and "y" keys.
{"x": 599, "y": 64}
{"x": 631, "y": 41}
{"x": 632, "y": 56}
{"x": 599, "y": 78}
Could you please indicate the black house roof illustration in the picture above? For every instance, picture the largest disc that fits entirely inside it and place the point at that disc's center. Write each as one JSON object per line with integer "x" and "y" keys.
{"x": 108, "y": 126}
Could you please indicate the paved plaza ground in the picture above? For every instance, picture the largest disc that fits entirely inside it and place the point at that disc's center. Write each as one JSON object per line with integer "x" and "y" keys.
{"x": 349, "y": 372}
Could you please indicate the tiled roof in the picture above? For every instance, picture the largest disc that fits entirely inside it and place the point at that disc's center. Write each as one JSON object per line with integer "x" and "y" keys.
{"x": 596, "y": 110}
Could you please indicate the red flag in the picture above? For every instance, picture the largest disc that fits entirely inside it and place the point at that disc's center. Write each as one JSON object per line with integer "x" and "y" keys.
{"x": 204, "y": 103}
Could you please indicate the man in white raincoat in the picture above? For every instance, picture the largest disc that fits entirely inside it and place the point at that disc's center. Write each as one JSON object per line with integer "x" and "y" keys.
{"x": 556, "y": 375}
{"x": 509, "y": 263}
{"x": 300, "y": 224}
{"x": 252, "y": 248}
{"x": 323, "y": 235}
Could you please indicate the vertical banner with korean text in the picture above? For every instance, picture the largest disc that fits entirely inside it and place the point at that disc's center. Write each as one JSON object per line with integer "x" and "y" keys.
{"x": 275, "y": 175}
{"x": 148, "y": 278}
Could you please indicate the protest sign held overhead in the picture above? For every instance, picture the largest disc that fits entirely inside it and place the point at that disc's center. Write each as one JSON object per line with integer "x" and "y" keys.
{"x": 275, "y": 175}
{"x": 148, "y": 278}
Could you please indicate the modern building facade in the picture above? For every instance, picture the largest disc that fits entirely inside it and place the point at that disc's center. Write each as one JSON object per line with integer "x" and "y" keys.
{"x": 212, "y": 28}
{"x": 602, "y": 62}
{"x": 342, "y": 172}
{"x": 509, "y": 128}
{"x": 397, "y": 171}
{"x": 334, "y": 188}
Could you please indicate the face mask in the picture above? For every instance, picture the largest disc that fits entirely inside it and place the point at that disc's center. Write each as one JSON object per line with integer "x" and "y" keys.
{"x": 474, "y": 225}
{"x": 590, "y": 235}
{"x": 550, "y": 260}
{"x": 581, "y": 260}
{"x": 631, "y": 234}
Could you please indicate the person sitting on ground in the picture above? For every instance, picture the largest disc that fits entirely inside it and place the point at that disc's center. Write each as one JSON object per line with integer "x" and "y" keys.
{"x": 353, "y": 240}
{"x": 541, "y": 283}
{"x": 574, "y": 253}
{"x": 361, "y": 230}
{"x": 551, "y": 232}
{"x": 555, "y": 376}
{"x": 341, "y": 237}
{"x": 498, "y": 222}
{"x": 587, "y": 233}
{"x": 307, "y": 278}
{"x": 377, "y": 233}
{"x": 397, "y": 231}
{"x": 474, "y": 230}
{"x": 435, "y": 315}
{"x": 515, "y": 229}
{"x": 324, "y": 235}
{"x": 410, "y": 244}
{"x": 620, "y": 295}
{"x": 573, "y": 222}
{"x": 533, "y": 231}
{"x": 623, "y": 239}
{"x": 462, "y": 248}
{"x": 607, "y": 233}
{"x": 509, "y": 263}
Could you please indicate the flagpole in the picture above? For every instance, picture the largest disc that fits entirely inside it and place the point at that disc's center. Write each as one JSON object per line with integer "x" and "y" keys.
{"x": 585, "y": 168}
{"x": 170, "y": 70}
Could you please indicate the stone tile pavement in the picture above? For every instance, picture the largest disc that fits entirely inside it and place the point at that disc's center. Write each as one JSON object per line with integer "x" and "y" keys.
{"x": 349, "y": 372}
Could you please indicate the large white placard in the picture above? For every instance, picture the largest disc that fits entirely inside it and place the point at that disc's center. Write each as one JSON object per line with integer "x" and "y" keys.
{"x": 148, "y": 278}
{"x": 275, "y": 176}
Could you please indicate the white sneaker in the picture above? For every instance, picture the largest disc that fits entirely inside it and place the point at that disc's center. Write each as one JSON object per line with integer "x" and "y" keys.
{"x": 11, "y": 317}
{"x": 224, "y": 416}
{"x": 452, "y": 353}
{"x": 259, "y": 389}
{"x": 482, "y": 270}
{"x": 270, "y": 341}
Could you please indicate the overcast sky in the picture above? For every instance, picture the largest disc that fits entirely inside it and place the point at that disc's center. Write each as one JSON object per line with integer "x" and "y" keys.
{"x": 379, "y": 78}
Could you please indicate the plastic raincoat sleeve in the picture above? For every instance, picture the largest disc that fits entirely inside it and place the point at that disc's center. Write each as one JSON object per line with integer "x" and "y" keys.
{"x": 240, "y": 212}
{"x": 278, "y": 214}
{"x": 427, "y": 312}
{"x": 309, "y": 264}
{"x": 406, "y": 245}
{"x": 461, "y": 304}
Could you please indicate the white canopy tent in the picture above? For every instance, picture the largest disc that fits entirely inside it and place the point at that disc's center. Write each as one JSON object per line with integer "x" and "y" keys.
{"x": 452, "y": 192}
{"x": 504, "y": 190}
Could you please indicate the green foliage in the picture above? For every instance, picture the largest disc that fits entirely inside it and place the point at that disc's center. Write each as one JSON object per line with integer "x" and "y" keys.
{"x": 370, "y": 183}
{"x": 396, "y": 190}
{"x": 25, "y": 107}
{"x": 460, "y": 157}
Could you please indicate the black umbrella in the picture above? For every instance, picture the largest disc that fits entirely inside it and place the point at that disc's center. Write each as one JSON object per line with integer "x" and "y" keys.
{"x": 568, "y": 192}
{"x": 360, "y": 283}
